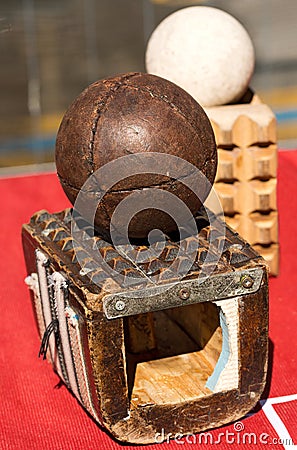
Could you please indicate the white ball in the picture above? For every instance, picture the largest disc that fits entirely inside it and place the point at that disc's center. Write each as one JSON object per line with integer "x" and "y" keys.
{"x": 204, "y": 50}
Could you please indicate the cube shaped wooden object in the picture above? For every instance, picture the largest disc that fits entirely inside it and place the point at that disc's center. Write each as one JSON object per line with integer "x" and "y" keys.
{"x": 164, "y": 353}
{"x": 247, "y": 170}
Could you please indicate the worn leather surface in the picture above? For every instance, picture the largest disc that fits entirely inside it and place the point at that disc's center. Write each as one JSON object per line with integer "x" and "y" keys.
{"x": 129, "y": 114}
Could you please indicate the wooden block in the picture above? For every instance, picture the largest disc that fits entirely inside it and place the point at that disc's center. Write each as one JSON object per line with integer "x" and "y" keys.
{"x": 271, "y": 255}
{"x": 243, "y": 125}
{"x": 210, "y": 345}
{"x": 247, "y": 197}
{"x": 247, "y": 169}
{"x": 244, "y": 164}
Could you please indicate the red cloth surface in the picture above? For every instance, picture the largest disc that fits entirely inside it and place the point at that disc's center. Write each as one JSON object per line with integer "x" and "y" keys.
{"x": 36, "y": 414}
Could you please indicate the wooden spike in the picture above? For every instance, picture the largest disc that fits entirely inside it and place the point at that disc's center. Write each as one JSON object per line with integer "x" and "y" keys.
{"x": 230, "y": 165}
{"x": 228, "y": 196}
{"x": 244, "y": 164}
{"x": 258, "y": 195}
{"x": 260, "y": 228}
{"x": 256, "y": 228}
{"x": 247, "y": 197}
{"x": 259, "y": 162}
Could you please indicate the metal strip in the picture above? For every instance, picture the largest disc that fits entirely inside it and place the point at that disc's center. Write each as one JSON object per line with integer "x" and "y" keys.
{"x": 187, "y": 292}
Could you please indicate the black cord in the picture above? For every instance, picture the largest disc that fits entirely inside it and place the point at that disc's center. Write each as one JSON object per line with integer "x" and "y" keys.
{"x": 53, "y": 327}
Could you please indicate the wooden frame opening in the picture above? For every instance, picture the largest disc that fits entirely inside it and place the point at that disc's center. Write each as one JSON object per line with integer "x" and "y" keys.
{"x": 171, "y": 354}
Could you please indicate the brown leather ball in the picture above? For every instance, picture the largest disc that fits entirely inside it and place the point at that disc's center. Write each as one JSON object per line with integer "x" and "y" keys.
{"x": 129, "y": 114}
